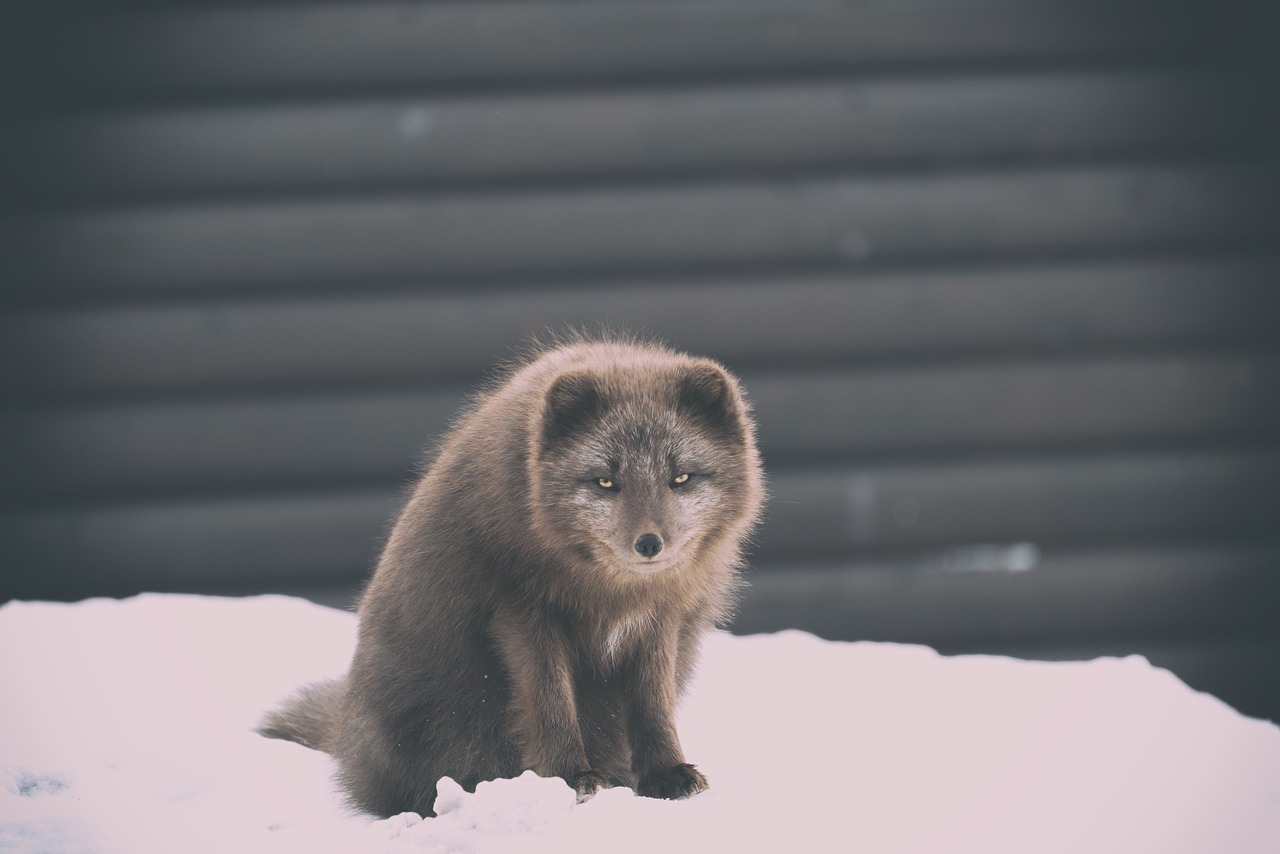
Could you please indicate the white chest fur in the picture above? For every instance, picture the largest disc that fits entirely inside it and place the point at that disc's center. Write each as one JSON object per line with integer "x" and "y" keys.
{"x": 623, "y": 633}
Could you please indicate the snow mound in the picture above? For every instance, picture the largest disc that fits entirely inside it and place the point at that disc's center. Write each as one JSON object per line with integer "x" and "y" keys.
{"x": 127, "y": 726}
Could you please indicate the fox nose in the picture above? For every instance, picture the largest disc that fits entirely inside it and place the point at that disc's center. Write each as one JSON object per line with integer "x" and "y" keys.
{"x": 649, "y": 544}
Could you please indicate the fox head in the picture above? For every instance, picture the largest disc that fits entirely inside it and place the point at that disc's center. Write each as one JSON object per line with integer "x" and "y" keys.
{"x": 641, "y": 467}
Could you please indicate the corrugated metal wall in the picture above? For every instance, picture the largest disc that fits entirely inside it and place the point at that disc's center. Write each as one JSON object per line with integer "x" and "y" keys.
{"x": 1000, "y": 277}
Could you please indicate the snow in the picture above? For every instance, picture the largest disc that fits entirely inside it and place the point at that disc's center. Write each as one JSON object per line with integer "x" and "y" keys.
{"x": 127, "y": 726}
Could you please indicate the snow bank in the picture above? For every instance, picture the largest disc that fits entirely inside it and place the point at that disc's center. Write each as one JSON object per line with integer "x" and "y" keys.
{"x": 127, "y": 726}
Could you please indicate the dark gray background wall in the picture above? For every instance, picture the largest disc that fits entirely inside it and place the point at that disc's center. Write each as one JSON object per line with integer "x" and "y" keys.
{"x": 999, "y": 276}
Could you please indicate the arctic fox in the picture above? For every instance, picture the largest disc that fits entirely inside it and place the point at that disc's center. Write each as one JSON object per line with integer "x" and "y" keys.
{"x": 540, "y": 600}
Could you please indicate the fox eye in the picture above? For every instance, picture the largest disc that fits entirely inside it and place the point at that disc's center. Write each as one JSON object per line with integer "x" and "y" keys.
{"x": 680, "y": 479}
{"x": 606, "y": 483}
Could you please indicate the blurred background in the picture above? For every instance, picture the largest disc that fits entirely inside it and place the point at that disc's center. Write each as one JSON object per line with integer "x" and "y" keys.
{"x": 1000, "y": 277}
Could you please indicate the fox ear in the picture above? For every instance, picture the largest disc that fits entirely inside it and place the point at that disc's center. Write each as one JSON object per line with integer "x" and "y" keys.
{"x": 573, "y": 402}
{"x": 708, "y": 395}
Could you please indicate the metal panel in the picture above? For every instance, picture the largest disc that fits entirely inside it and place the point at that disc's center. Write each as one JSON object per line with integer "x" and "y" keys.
{"x": 842, "y": 512}
{"x": 424, "y": 334}
{"x": 255, "y": 443}
{"x": 255, "y": 51}
{"x": 835, "y": 221}
{"x": 391, "y": 143}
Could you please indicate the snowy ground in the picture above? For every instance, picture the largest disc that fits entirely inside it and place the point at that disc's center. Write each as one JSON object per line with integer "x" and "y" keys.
{"x": 127, "y": 726}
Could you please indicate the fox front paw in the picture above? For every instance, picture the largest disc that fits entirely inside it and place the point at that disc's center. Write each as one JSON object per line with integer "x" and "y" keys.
{"x": 680, "y": 781}
{"x": 586, "y": 784}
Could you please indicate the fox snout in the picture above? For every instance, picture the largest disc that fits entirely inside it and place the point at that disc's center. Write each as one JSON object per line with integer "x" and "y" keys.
{"x": 648, "y": 545}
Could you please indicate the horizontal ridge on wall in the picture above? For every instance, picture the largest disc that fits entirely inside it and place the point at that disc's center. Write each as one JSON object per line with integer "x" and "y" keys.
{"x": 320, "y": 342}
{"x": 233, "y": 50}
{"x": 746, "y": 224}
{"x": 791, "y": 128}
{"x": 1098, "y": 500}
{"x": 248, "y": 444}
{"x": 1018, "y": 593}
